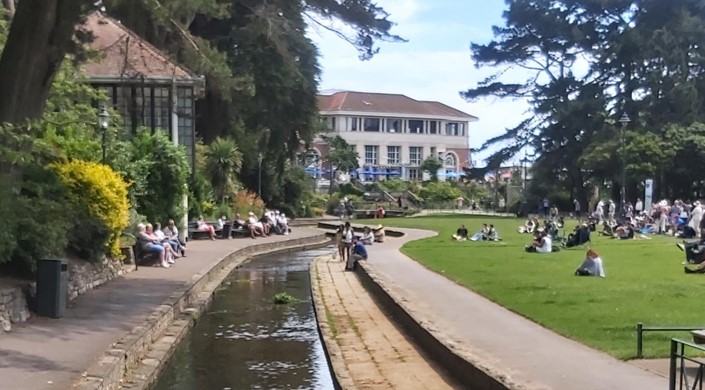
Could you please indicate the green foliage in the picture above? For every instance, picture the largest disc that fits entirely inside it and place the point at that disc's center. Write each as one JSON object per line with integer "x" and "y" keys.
{"x": 431, "y": 165}
{"x": 163, "y": 171}
{"x": 343, "y": 157}
{"x": 396, "y": 185}
{"x": 350, "y": 189}
{"x": 434, "y": 192}
{"x": 223, "y": 163}
{"x": 99, "y": 197}
{"x": 223, "y": 210}
{"x": 284, "y": 298}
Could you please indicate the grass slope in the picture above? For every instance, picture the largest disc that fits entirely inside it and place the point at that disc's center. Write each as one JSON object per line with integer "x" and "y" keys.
{"x": 645, "y": 282}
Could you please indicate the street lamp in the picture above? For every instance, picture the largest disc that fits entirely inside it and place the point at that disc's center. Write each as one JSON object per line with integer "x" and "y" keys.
{"x": 259, "y": 180}
{"x": 103, "y": 122}
{"x": 624, "y": 121}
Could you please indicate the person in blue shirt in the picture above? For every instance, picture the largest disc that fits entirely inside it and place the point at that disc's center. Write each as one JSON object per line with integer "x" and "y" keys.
{"x": 359, "y": 252}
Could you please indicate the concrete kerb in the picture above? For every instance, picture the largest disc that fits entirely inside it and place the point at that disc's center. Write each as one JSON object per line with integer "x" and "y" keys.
{"x": 467, "y": 369}
{"x": 336, "y": 361}
{"x": 180, "y": 311}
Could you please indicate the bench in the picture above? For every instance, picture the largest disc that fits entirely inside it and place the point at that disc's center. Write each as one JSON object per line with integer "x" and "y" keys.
{"x": 194, "y": 233}
{"x": 143, "y": 256}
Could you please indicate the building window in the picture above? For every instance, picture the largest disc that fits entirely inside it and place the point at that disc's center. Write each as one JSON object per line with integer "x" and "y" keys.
{"x": 162, "y": 111}
{"x": 413, "y": 174}
{"x": 415, "y": 127}
{"x": 450, "y": 162}
{"x": 433, "y": 150}
{"x": 352, "y": 124}
{"x": 393, "y": 155}
{"x": 123, "y": 103}
{"x": 372, "y": 124}
{"x": 433, "y": 127}
{"x": 371, "y": 152}
{"x": 184, "y": 109}
{"x": 415, "y": 155}
{"x": 456, "y": 129}
{"x": 394, "y": 125}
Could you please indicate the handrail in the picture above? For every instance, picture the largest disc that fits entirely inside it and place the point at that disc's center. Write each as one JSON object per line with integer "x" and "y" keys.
{"x": 678, "y": 373}
{"x": 640, "y": 329}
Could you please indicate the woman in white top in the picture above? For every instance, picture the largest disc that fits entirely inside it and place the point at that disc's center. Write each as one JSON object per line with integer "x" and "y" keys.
{"x": 591, "y": 266}
{"x": 367, "y": 237}
{"x": 346, "y": 240}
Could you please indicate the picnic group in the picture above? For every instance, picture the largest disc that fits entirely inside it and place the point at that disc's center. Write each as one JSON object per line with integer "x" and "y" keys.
{"x": 167, "y": 246}
{"x": 351, "y": 247}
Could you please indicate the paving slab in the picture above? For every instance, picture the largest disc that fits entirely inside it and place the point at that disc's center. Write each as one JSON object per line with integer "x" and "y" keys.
{"x": 46, "y": 353}
{"x": 530, "y": 354}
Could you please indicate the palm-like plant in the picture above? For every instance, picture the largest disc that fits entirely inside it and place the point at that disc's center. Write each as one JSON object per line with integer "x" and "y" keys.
{"x": 223, "y": 163}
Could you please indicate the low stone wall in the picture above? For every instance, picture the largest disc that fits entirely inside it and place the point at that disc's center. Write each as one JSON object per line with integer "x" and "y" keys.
{"x": 83, "y": 276}
{"x": 469, "y": 371}
{"x": 13, "y": 307}
{"x": 141, "y": 355}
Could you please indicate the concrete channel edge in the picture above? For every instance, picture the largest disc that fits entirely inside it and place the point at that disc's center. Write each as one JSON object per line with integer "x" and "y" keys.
{"x": 466, "y": 369}
{"x": 336, "y": 362}
{"x": 136, "y": 360}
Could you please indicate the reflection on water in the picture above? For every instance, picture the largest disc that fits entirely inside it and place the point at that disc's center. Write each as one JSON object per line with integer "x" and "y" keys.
{"x": 244, "y": 341}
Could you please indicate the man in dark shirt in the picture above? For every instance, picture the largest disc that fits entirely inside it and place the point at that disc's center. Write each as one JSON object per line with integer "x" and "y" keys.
{"x": 461, "y": 234}
{"x": 359, "y": 252}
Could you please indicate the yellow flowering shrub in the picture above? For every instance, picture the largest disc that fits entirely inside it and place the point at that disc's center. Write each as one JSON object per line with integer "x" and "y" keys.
{"x": 101, "y": 193}
{"x": 245, "y": 201}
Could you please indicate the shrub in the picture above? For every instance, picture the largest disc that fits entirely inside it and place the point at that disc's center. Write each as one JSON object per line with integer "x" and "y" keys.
{"x": 350, "y": 189}
{"x": 439, "y": 192}
{"x": 225, "y": 210}
{"x": 99, "y": 197}
{"x": 393, "y": 185}
{"x": 245, "y": 201}
{"x": 332, "y": 205}
{"x": 319, "y": 201}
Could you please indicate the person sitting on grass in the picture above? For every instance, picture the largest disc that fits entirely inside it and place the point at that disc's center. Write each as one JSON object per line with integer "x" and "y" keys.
{"x": 204, "y": 227}
{"x": 542, "y": 243}
{"x": 482, "y": 234}
{"x": 591, "y": 266}
{"x": 528, "y": 227}
{"x": 623, "y": 232}
{"x": 367, "y": 237}
{"x": 461, "y": 234}
{"x": 150, "y": 244}
{"x": 492, "y": 234}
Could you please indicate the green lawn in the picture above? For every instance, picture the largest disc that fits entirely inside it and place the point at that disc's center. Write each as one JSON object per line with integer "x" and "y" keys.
{"x": 645, "y": 282}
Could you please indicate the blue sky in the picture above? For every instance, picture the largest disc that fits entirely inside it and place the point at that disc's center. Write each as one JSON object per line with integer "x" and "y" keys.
{"x": 434, "y": 65}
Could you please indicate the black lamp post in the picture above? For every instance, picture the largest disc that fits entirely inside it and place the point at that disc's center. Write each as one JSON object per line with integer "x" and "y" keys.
{"x": 104, "y": 122}
{"x": 624, "y": 121}
{"x": 259, "y": 179}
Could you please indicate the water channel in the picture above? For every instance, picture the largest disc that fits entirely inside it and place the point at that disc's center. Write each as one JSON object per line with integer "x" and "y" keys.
{"x": 244, "y": 341}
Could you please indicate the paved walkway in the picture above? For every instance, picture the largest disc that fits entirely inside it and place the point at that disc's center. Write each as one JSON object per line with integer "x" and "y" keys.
{"x": 527, "y": 352}
{"x": 49, "y": 353}
{"x": 376, "y": 354}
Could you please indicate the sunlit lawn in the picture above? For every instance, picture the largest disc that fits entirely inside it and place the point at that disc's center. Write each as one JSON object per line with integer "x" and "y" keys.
{"x": 645, "y": 282}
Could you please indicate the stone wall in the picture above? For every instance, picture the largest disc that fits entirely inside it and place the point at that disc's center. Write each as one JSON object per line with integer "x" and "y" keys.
{"x": 83, "y": 276}
{"x": 13, "y": 307}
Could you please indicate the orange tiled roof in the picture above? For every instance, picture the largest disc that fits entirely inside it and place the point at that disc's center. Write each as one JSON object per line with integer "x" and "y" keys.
{"x": 124, "y": 55}
{"x": 386, "y": 103}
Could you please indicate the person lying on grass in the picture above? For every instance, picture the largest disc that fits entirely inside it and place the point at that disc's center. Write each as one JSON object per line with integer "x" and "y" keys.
{"x": 591, "y": 266}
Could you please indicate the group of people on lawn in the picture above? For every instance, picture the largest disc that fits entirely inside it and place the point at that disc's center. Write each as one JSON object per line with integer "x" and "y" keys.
{"x": 486, "y": 233}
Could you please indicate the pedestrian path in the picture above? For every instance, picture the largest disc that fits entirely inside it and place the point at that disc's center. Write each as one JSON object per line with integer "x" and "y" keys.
{"x": 46, "y": 353}
{"x": 376, "y": 355}
{"x": 504, "y": 341}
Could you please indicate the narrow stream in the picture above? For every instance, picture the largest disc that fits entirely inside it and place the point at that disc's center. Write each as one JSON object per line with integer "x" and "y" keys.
{"x": 244, "y": 341}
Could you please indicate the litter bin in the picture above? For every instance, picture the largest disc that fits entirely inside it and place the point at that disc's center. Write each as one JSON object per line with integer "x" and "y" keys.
{"x": 227, "y": 227}
{"x": 52, "y": 287}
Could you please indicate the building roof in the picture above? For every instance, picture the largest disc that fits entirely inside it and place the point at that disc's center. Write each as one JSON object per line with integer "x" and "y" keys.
{"x": 349, "y": 101}
{"x": 125, "y": 55}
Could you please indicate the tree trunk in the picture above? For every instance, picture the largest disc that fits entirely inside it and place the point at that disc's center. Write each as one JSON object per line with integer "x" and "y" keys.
{"x": 40, "y": 36}
{"x": 9, "y": 7}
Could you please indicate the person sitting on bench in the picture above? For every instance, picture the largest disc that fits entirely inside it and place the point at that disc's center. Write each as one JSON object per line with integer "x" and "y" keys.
{"x": 204, "y": 227}
{"x": 172, "y": 234}
{"x": 256, "y": 227}
{"x": 461, "y": 234}
{"x": 150, "y": 244}
{"x": 282, "y": 222}
{"x": 591, "y": 266}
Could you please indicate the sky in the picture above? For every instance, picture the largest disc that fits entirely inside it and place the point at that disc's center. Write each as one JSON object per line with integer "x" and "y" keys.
{"x": 435, "y": 63}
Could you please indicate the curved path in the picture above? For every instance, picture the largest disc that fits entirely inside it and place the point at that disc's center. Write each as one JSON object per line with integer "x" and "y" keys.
{"x": 503, "y": 342}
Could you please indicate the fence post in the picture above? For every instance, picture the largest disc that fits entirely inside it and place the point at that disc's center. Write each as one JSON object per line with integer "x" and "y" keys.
{"x": 672, "y": 366}
{"x": 639, "y": 340}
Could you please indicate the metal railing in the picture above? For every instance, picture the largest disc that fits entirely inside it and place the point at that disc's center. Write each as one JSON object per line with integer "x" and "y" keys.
{"x": 641, "y": 329}
{"x": 684, "y": 369}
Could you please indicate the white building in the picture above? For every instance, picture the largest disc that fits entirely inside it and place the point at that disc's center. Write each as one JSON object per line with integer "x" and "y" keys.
{"x": 393, "y": 134}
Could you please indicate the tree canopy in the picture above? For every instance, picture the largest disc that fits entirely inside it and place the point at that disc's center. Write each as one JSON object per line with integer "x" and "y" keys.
{"x": 587, "y": 63}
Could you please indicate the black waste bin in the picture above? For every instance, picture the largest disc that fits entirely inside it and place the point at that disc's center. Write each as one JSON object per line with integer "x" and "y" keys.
{"x": 227, "y": 227}
{"x": 52, "y": 287}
